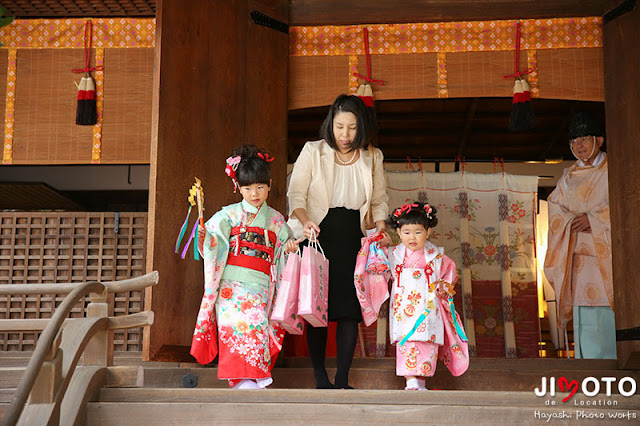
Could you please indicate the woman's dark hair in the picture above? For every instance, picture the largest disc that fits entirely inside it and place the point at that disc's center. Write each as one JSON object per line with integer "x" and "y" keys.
{"x": 413, "y": 213}
{"x": 366, "y": 126}
{"x": 252, "y": 168}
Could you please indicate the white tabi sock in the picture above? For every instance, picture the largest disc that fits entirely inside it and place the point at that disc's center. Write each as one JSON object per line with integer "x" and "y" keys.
{"x": 247, "y": 384}
{"x": 422, "y": 384}
{"x": 412, "y": 384}
{"x": 263, "y": 383}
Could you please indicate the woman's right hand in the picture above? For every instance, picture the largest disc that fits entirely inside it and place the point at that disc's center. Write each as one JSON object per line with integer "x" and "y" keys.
{"x": 311, "y": 230}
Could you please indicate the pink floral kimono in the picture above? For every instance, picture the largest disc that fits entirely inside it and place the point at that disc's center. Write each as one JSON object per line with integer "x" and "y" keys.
{"x": 420, "y": 323}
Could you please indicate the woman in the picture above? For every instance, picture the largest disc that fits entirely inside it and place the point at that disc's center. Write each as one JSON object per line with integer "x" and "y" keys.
{"x": 338, "y": 187}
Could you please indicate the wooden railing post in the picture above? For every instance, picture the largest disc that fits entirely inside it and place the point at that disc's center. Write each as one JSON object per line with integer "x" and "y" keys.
{"x": 48, "y": 381}
{"x": 99, "y": 350}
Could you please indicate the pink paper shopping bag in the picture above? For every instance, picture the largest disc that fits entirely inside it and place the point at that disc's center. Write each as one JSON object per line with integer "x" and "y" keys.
{"x": 455, "y": 350}
{"x": 313, "y": 297}
{"x": 285, "y": 309}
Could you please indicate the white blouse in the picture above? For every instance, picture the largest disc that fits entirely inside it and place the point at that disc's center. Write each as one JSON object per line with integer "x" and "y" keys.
{"x": 348, "y": 188}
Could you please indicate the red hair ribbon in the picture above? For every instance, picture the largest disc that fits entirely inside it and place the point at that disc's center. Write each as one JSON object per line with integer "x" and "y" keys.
{"x": 365, "y": 34}
{"x": 266, "y": 157}
{"x": 517, "y": 73}
{"x": 406, "y": 208}
{"x": 88, "y": 37}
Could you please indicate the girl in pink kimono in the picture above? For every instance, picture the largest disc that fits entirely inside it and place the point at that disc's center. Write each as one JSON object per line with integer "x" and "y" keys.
{"x": 242, "y": 246}
{"x": 421, "y": 274}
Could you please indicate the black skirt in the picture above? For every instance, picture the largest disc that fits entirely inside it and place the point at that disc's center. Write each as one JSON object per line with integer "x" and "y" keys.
{"x": 340, "y": 237}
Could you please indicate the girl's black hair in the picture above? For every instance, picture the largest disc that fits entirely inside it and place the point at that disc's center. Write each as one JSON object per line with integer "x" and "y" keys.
{"x": 366, "y": 126}
{"x": 413, "y": 213}
{"x": 252, "y": 168}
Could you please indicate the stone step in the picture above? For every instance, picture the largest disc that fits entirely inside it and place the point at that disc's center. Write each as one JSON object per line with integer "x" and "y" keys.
{"x": 273, "y": 406}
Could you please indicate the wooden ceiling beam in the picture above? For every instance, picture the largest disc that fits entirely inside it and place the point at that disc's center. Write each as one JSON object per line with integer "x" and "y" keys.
{"x": 341, "y": 12}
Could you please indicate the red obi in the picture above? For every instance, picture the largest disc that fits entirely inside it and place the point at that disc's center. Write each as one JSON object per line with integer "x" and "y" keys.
{"x": 252, "y": 247}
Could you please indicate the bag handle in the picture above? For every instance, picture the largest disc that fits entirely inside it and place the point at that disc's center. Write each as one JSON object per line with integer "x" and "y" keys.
{"x": 313, "y": 242}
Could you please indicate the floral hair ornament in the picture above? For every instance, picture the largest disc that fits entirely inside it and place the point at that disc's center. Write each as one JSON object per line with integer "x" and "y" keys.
{"x": 266, "y": 157}
{"x": 427, "y": 208}
{"x": 230, "y": 170}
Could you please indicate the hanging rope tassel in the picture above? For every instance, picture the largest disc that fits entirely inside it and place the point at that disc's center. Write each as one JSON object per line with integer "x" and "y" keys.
{"x": 522, "y": 116}
{"x": 87, "y": 109}
{"x": 364, "y": 91}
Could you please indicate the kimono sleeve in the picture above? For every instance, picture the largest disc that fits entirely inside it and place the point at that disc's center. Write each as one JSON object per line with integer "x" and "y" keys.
{"x": 215, "y": 250}
{"x": 284, "y": 235}
{"x": 204, "y": 346}
{"x": 448, "y": 275}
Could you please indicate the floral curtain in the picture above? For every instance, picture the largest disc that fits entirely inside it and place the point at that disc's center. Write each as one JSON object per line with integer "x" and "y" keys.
{"x": 486, "y": 224}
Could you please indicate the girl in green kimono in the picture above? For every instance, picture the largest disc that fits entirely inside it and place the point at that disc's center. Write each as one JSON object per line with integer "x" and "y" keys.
{"x": 243, "y": 246}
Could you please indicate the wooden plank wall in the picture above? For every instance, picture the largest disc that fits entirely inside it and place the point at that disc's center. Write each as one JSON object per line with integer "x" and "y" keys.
{"x": 70, "y": 247}
{"x": 621, "y": 65}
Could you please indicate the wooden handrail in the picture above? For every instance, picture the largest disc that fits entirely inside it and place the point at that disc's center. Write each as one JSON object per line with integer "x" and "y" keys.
{"x": 83, "y": 332}
{"x": 27, "y": 324}
{"x": 131, "y": 284}
{"x": 11, "y": 289}
{"x": 139, "y": 319}
{"x": 44, "y": 346}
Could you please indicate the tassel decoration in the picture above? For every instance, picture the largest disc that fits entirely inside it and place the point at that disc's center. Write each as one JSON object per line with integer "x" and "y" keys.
{"x": 196, "y": 197}
{"x": 87, "y": 110}
{"x": 366, "y": 94}
{"x": 522, "y": 116}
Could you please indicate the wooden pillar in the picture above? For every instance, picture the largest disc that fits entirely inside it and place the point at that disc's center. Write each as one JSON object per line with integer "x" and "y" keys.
{"x": 622, "y": 103}
{"x": 220, "y": 81}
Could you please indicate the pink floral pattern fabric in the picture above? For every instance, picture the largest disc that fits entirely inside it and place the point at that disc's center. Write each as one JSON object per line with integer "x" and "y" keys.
{"x": 371, "y": 276}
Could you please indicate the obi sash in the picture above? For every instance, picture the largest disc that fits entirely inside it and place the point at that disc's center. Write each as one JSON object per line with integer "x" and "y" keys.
{"x": 252, "y": 247}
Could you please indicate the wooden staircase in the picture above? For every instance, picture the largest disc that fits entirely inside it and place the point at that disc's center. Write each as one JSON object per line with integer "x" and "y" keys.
{"x": 311, "y": 407}
{"x": 493, "y": 391}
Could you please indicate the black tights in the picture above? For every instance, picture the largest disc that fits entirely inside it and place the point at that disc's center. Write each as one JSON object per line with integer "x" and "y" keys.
{"x": 346, "y": 337}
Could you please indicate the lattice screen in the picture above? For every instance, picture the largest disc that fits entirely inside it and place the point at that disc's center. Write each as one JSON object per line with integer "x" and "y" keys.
{"x": 64, "y": 247}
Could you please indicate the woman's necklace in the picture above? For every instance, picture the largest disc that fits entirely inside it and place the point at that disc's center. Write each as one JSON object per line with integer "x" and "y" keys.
{"x": 346, "y": 163}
